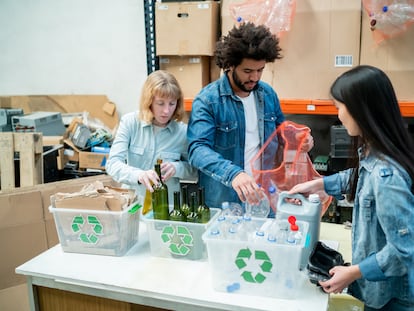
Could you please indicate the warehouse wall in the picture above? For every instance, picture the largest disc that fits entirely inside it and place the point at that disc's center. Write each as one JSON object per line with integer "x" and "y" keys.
{"x": 73, "y": 47}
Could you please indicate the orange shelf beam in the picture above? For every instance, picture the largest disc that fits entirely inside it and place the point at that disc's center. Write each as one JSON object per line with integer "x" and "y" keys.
{"x": 316, "y": 106}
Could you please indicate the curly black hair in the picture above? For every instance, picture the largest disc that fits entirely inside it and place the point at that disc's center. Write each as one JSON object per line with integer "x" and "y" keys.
{"x": 246, "y": 41}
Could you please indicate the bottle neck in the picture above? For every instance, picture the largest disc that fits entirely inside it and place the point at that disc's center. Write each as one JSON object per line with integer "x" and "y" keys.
{"x": 177, "y": 200}
{"x": 193, "y": 201}
{"x": 201, "y": 196}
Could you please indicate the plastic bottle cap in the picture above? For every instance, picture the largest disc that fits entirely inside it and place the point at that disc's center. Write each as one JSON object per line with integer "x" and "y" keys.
{"x": 260, "y": 233}
{"x": 272, "y": 189}
{"x": 225, "y": 205}
{"x": 314, "y": 197}
{"x": 292, "y": 220}
{"x": 294, "y": 227}
{"x": 215, "y": 232}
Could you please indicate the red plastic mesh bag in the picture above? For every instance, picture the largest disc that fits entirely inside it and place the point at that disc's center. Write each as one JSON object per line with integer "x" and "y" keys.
{"x": 281, "y": 163}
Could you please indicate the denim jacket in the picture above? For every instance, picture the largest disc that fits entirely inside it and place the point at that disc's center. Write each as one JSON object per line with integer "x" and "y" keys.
{"x": 136, "y": 148}
{"x": 382, "y": 231}
{"x": 216, "y": 135}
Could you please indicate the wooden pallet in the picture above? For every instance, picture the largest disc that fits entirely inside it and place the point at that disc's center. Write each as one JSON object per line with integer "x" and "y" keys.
{"x": 29, "y": 147}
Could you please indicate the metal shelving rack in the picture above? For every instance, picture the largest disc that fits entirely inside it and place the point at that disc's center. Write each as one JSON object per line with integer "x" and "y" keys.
{"x": 149, "y": 12}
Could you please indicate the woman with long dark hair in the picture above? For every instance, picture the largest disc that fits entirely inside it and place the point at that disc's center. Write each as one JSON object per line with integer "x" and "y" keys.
{"x": 381, "y": 188}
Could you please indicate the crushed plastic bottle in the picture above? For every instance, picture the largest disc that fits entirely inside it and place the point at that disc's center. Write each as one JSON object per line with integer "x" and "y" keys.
{"x": 260, "y": 210}
{"x": 231, "y": 209}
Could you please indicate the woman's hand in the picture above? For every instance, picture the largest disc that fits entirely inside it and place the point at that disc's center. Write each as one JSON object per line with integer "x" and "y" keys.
{"x": 167, "y": 170}
{"x": 148, "y": 178}
{"x": 342, "y": 276}
{"x": 308, "y": 187}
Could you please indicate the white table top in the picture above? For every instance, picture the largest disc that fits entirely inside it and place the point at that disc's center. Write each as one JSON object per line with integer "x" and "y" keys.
{"x": 162, "y": 282}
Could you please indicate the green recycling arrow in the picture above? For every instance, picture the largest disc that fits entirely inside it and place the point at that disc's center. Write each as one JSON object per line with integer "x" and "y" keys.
{"x": 263, "y": 261}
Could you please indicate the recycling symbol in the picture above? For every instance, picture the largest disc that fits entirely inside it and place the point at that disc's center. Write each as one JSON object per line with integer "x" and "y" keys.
{"x": 79, "y": 225}
{"x": 261, "y": 263}
{"x": 179, "y": 238}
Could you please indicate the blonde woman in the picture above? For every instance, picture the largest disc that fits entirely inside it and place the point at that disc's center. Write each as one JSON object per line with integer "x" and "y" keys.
{"x": 155, "y": 132}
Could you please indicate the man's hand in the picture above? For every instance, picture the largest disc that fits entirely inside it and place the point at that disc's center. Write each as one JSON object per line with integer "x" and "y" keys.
{"x": 246, "y": 188}
{"x": 307, "y": 143}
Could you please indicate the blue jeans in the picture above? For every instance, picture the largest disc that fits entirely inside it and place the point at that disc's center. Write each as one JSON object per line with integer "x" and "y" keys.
{"x": 393, "y": 305}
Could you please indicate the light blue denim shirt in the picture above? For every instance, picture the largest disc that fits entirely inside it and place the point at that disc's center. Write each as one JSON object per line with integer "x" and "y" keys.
{"x": 136, "y": 148}
{"x": 216, "y": 135}
{"x": 382, "y": 229}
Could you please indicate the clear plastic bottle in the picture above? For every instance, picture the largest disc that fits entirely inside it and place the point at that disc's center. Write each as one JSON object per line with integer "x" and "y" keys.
{"x": 294, "y": 235}
{"x": 283, "y": 232}
{"x": 215, "y": 234}
{"x": 273, "y": 199}
{"x": 259, "y": 236}
{"x": 222, "y": 225}
{"x": 247, "y": 227}
{"x": 273, "y": 231}
{"x": 235, "y": 229}
{"x": 260, "y": 210}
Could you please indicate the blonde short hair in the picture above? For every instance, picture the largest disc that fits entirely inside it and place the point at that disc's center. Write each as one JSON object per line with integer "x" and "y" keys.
{"x": 163, "y": 84}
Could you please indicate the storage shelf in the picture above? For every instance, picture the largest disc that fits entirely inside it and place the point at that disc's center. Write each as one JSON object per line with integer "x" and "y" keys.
{"x": 315, "y": 106}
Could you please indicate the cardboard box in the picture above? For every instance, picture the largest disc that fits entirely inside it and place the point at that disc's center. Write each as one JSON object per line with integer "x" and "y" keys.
{"x": 323, "y": 42}
{"x": 394, "y": 56}
{"x": 86, "y": 159}
{"x": 100, "y": 111}
{"x": 92, "y": 160}
{"x": 186, "y": 28}
{"x": 22, "y": 232}
{"x": 27, "y": 228}
{"x": 192, "y": 72}
{"x": 98, "y": 106}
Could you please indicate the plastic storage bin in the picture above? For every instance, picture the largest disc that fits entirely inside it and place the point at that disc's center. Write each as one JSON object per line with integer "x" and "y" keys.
{"x": 177, "y": 239}
{"x": 97, "y": 232}
{"x": 256, "y": 267}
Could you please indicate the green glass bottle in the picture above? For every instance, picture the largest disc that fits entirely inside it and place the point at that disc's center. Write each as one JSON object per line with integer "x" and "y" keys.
{"x": 160, "y": 197}
{"x": 203, "y": 210}
{"x": 193, "y": 216}
{"x": 185, "y": 207}
{"x": 176, "y": 214}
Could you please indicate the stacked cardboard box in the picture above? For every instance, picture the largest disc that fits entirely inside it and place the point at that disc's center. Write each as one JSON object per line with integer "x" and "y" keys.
{"x": 323, "y": 41}
{"x": 326, "y": 39}
{"x": 27, "y": 227}
{"x": 186, "y": 34}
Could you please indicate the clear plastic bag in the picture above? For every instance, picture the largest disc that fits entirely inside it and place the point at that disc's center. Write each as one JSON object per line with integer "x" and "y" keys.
{"x": 281, "y": 163}
{"x": 277, "y": 15}
{"x": 389, "y": 18}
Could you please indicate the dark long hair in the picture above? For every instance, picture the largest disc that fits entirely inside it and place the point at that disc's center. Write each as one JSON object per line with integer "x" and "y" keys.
{"x": 370, "y": 98}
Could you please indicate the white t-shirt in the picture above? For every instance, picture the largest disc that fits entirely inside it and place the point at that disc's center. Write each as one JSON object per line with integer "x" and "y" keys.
{"x": 252, "y": 141}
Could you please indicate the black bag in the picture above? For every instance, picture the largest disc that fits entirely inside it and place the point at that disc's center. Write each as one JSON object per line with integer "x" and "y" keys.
{"x": 321, "y": 260}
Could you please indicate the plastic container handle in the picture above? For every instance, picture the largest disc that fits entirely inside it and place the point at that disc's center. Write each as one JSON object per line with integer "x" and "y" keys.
{"x": 285, "y": 195}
